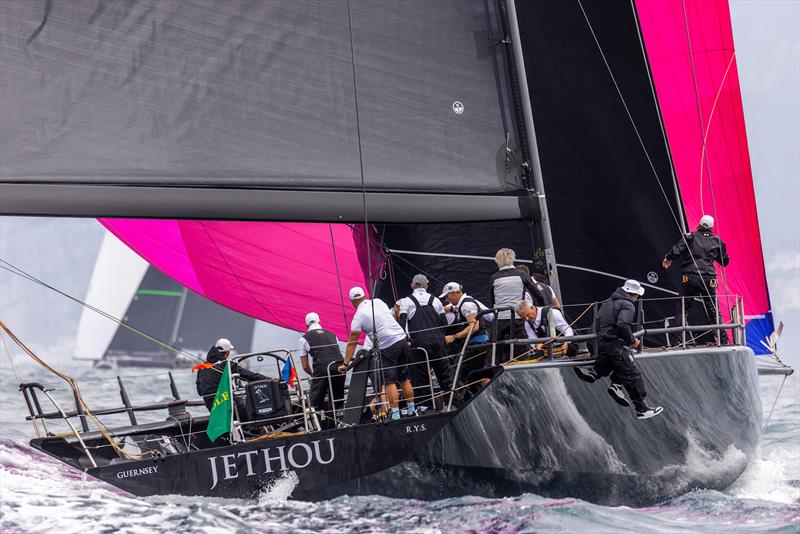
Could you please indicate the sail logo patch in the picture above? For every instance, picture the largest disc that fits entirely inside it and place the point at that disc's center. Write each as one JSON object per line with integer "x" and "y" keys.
{"x": 271, "y": 460}
{"x": 652, "y": 277}
{"x": 458, "y": 107}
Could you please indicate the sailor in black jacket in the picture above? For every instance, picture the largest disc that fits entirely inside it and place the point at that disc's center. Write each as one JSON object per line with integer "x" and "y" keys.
{"x": 698, "y": 251}
{"x": 616, "y": 321}
{"x": 508, "y": 286}
{"x": 209, "y": 374}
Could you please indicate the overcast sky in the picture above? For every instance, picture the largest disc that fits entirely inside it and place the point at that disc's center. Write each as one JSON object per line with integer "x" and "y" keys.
{"x": 768, "y": 55}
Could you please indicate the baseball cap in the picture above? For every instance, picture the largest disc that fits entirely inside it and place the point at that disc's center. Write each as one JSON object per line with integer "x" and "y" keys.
{"x": 356, "y": 293}
{"x": 449, "y": 287}
{"x": 223, "y": 345}
{"x": 311, "y": 318}
{"x": 632, "y": 286}
{"x": 707, "y": 221}
{"x": 419, "y": 280}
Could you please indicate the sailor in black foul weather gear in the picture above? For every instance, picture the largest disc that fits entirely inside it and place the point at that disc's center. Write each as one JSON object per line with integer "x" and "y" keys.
{"x": 615, "y": 324}
{"x": 323, "y": 347}
{"x": 423, "y": 316}
{"x": 537, "y": 325}
{"x": 508, "y": 286}
{"x": 209, "y": 374}
{"x": 698, "y": 251}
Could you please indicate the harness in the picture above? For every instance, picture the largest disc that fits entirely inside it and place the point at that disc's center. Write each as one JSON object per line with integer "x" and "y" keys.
{"x": 543, "y": 330}
{"x": 323, "y": 348}
{"x": 460, "y": 318}
{"x": 426, "y": 323}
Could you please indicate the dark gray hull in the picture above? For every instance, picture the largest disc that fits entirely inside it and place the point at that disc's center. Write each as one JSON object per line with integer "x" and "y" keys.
{"x": 541, "y": 430}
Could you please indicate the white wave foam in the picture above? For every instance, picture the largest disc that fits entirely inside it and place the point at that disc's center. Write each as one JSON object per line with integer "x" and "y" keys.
{"x": 705, "y": 467}
{"x": 771, "y": 478}
{"x": 280, "y": 490}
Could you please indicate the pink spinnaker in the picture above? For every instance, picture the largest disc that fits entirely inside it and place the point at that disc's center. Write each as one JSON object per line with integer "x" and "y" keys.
{"x": 690, "y": 48}
{"x": 276, "y": 272}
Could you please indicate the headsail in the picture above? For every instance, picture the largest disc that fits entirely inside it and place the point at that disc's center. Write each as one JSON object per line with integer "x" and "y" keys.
{"x": 276, "y": 272}
{"x": 693, "y": 60}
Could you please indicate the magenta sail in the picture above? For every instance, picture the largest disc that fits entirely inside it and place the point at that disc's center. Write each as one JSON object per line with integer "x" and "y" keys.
{"x": 691, "y": 54}
{"x": 276, "y": 272}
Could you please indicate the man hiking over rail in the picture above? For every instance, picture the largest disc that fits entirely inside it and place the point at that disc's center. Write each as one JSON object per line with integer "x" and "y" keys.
{"x": 615, "y": 324}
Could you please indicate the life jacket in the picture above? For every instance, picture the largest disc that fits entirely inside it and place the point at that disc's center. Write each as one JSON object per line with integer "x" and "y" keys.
{"x": 426, "y": 325}
{"x": 323, "y": 348}
{"x": 543, "y": 330}
{"x": 460, "y": 318}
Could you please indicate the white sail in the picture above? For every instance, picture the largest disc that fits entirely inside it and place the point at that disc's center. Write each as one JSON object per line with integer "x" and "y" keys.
{"x": 115, "y": 279}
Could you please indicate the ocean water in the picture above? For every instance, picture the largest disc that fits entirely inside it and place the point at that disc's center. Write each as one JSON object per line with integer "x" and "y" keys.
{"x": 39, "y": 494}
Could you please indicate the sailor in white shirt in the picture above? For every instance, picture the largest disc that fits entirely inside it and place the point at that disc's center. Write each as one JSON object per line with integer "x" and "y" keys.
{"x": 537, "y": 326}
{"x": 374, "y": 318}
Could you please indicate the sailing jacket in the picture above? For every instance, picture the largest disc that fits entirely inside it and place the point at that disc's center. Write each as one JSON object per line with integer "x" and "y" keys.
{"x": 706, "y": 248}
{"x": 509, "y": 286}
{"x": 208, "y": 378}
{"x": 616, "y": 318}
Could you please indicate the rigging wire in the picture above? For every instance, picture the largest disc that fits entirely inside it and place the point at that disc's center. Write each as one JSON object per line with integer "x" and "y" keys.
{"x": 7, "y": 266}
{"x": 338, "y": 277}
{"x": 371, "y": 289}
{"x": 704, "y": 135}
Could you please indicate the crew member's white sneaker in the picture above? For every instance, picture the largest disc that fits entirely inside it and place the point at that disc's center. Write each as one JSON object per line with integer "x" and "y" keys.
{"x": 649, "y": 412}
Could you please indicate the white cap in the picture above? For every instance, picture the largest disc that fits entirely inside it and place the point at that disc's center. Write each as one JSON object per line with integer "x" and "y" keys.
{"x": 707, "y": 221}
{"x": 223, "y": 345}
{"x": 356, "y": 293}
{"x": 449, "y": 287}
{"x": 312, "y": 318}
{"x": 632, "y": 286}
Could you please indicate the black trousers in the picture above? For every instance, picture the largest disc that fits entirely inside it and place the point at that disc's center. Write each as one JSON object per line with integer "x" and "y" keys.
{"x": 320, "y": 387}
{"x": 702, "y": 287}
{"x": 504, "y": 327}
{"x": 418, "y": 369}
{"x": 616, "y": 359}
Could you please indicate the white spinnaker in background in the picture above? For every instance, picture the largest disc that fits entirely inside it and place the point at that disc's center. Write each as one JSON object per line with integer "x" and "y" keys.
{"x": 115, "y": 280}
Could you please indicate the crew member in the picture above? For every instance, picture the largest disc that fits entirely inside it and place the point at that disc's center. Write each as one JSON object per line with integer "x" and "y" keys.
{"x": 541, "y": 282}
{"x": 615, "y": 332}
{"x": 537, "y": 324}
{"x": 466, "y": 311}
{"x": 323, "y": 347}
{"x": 374, "y": 318}
{"x": 508, "y": 286}
{"x": 698, "y": 251}
{"x": 209, "y": 373}
{"x": 424, "y": 316}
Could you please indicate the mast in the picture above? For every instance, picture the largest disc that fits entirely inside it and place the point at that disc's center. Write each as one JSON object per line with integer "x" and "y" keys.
{"x": 533, "y": 150}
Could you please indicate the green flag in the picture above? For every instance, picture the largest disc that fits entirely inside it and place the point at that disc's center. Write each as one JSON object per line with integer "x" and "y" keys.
{"x": 221, "y": 418}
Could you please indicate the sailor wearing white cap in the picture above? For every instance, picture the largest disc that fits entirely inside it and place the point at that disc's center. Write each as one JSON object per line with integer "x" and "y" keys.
{"x": 423, "y": 315}
{"x": 374, "y": 318}
{"x": 466, "y": 310}
{"x": 210, "y": 372}
{"x": 323, "y": 347}
{"x": 616, "y": 321}
{"x": 698, "y": 251}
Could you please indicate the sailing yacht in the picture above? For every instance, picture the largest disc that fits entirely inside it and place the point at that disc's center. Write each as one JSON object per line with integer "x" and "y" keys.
{"x": 267, "y": 154}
